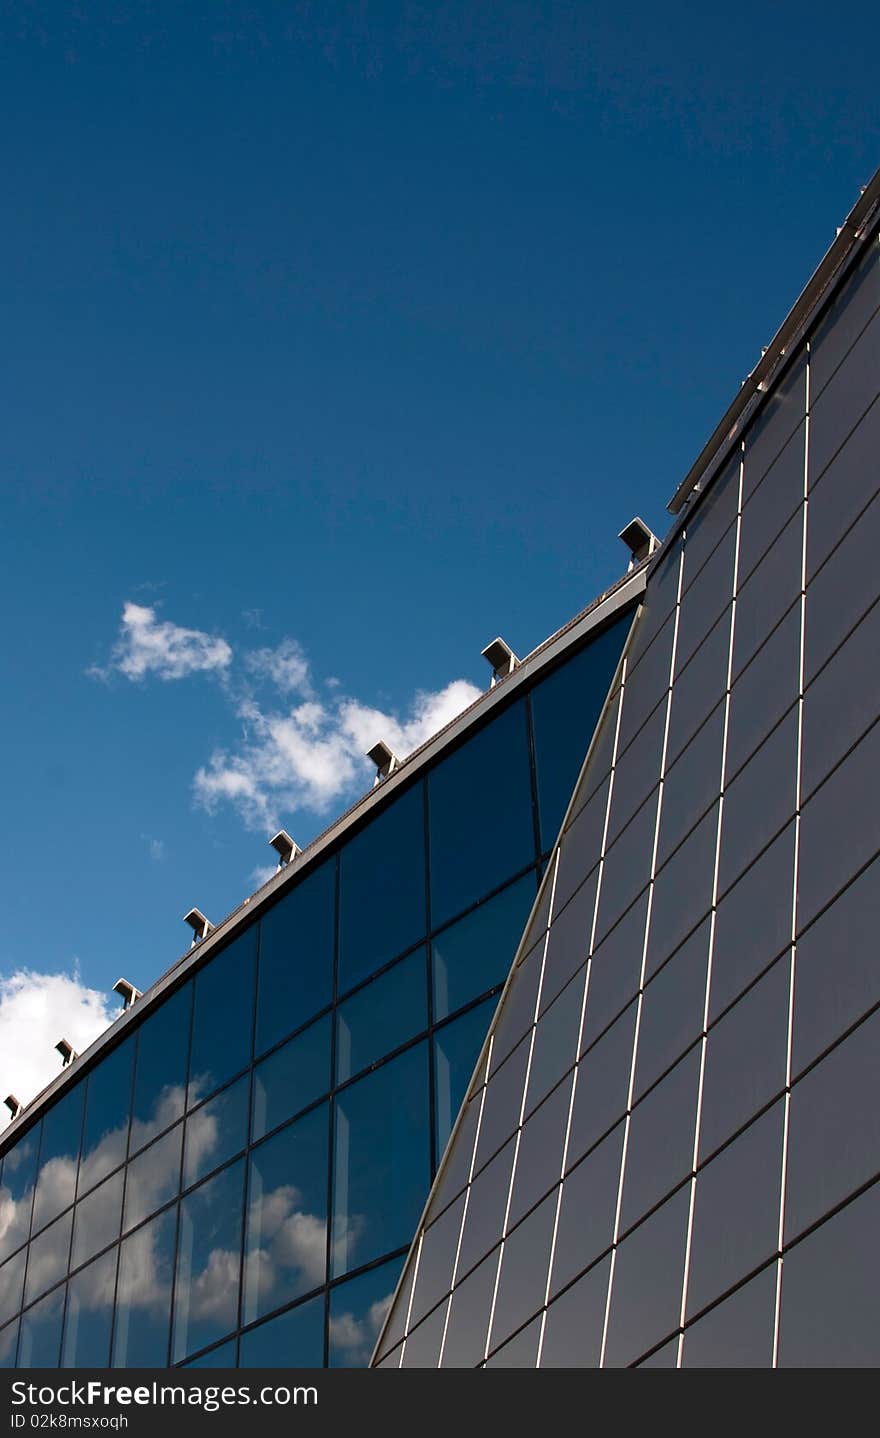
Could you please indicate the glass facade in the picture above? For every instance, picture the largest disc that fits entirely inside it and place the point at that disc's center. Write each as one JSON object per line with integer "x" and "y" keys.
{"x": 670, "y": 1155}
{"x": 238, "y": 1180}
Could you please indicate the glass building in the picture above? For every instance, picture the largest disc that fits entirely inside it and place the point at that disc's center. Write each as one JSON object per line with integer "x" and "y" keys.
{"x": 232, "y": 1175}
{"x": 670, "y": 1149}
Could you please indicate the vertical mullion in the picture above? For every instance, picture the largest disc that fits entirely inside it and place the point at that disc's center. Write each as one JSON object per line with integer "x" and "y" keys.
{"x": 331, "y": 1117}
{"x": 192, "y": 1017}
{"x": 136, "y": 1039}
{"x": 246, "y": 1184}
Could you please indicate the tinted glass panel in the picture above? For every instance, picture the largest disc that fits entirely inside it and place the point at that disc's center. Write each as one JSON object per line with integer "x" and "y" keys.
{"x": 208, "y": 1261}
{"x": 455, "y": 1055}
{"x": 216, "y": 1131}
{"x": 11, "y": 1286}
{"x": 382, "y": 889}
{"x": 292, "y": 1077}
{"x": 222, "y": 1357}
{"x": 739, "y": 1332}
{"x": 89, "y": 1313}
{"x": 293, "y": 1340}
{"x": 382, "y": 1160}
{"x": 646, "y": 1292}
{"x": 382, "y": 1016}
{"x": 47, "y": 1257}
{"x": 589, "y": 1204}
{"x": 96, "y": 1220}
{"x": 59, "y": 1150}
{"x": 108, "y": 1099}
{"x": 40, "y": 1343}
{"x": 296, "y": 957}
{"x": 477, "y": 952}
{"x": 524, "y": 1267}
{"x": 357, "y": 1312}
{"x": 160, "y": 1069}
{"x": 480, "y": 815}
{"x": 8, "y": 1345}
{"x": 573, "y": 1332}
{"x": 153, "y": 1177}
{"x": 661, "y": 1140}
{"x": 565, "y": 710}
{"x": 17, "y": 1192}
{"x": 222, "y": 1016}
{"x": 143, "y": 1299}
{"x": 287, "y": 1215}
{"x": 831, "y": 1292}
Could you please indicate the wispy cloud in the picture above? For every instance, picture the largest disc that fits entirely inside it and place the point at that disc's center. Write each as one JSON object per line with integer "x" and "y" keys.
{"x": 148, "y": 645}
{"x": 36, "y": 1010}
{"x": 155, "y": 848}
{"x": 285, "y": 666}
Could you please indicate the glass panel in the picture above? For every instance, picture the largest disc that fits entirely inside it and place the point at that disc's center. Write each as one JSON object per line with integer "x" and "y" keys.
{"x": 423, "y": 1344}
{"x": 153, "y": 1177}
{"x": 17, "y": 1192}
{"x": 480, "y": 815}
{"x": 636, "y": 775}
{"x": 59, "y": 1151}
{"x": 627, "y": 867}
{"x": 222, "y": 1014}
{"x": 745, "y": 1058}
{"x": 672, "y": 1010}
{"x": 287, "y": 1215}
{"x": 845, "y": 806}
{"x": 602, "y": 1085}
{"x": 208, "y": 1262}
{"x": 573, "y": 1331}
{"x": 683, "y": 891}
{"x": 519, "y": 1352}
{"x": 40, "y": 1343}
{"x": 96, "y": 1220}
{"x": 382, "y": 1160}
{"x": 382, "y": 889}
{"x": 160, "y": 1069}
{"x": 837, "y": 501}
{"x": 565, "y": 710}
{"x": 646, "y": 683}
{"x": 768, "y": 592}
{"x": 357, "y": 1311}
{"x": 765, "y": 689}
{"x": 705, "y": 596}
{"x": 477, "y": 952}
{"x": 569, "y": 940}
{"x": 293, "y": 1340}
{"x": 437, "y": 1253}
{"x": 216, "y": 1131}
{"x": 292, "y": 1077}
{"x": 455, "y": 1055}
{"x": 108, "y": 1100}
{"x": 222, "y": 1357}
{"x": 47, "y": 1257}
{"x": 699, "y": 687}
{"x": 846, "y": 397}
{"x": 503, "y": 1102}
{"x": 8, "y": 1345}
{"x": 691, "y": 785}
{"x": 843, "y": 590}
{"x": 759, "y": 801}
{"x": 555, "y": 1048}
{"x": 541, "y": 1147}
{"x": 714, "y": 511}
{"x": 484, "y": 1220}
{"x": 831, "y": 1292}
{"x": 739, "y": 1332}
{"x": 581, "y": 844}
{"x": 648, "y": 1274}
{"x": 842, "y": 702}
{"x": 469, "y": 1311}
{"x": 586, "y": 1215}
{"x": 143, "y": 1298}
{"x": 753, "y": 922}
{"x": 89, "y": 1314}
{"x": 11, "y": 1284}
{"x": 615, "y": 971}
{"x": 782, "y": 412}
{"x": 525, "y": 1262}
{"x": 296, "y": 957}
{"x": 841, "y": 326}
{"x": 773, "y": 503}
{"x": 457, "y": 1160}
{"x": 382, "y": 1016}
{"x": 660, "y": 1149}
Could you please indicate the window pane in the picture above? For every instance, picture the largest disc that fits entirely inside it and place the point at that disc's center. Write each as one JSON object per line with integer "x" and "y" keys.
{"x": 89, "y": 1313}
{"x": 108, "y": 1099}
{"x": 11, "y": 1284}
{"x": 565, "y": 711}
{"x": 382, "y": 889}
{"x": 143, "y": 1299}
{"x": 357, "y": 1312}
{"x": 382, "y": 1016}
{"x": 216, "y": 1131}
{"x": 646, "y": 1291}
{"x": 160, "y": 1069}
{"x": 477, "y": 952}
{"x": 292, "y": 1077}
{"x": 222, "y": 1357}
{"x": 287, "y": 1215}
{"x": 831, "y": 1292}
{"x": 479, "y": 802}
{"x": 222, "y": 1012}
{"x": 382, "y": 1160}
{"x": 96, "y": 1220}
{"x": 293, "y": 1340}
{"x": 153, "y": 1178}
{"x": 455, "y": 1055}
{"x": 8, "y": 1344}
{"x": 296, "y": 957}
{"x": 17, "y": 1192}
{"x": 208, "y": 1262}
{"x": 59, "y": 1150}
{"x": 41, "y": 1333}
{"x": 47, "y": 1257}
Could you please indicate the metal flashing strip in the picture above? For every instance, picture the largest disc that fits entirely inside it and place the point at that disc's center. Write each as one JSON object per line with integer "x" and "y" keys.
{"x": 626, "y": 590}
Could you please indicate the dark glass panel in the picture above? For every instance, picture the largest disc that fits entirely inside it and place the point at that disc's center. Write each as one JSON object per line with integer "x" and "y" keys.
{"x": 382, "y": 1160}
{"x": 153, "y": 1177}
{"x": 502, "y": 1105}
{"x": 845, "y": 806}
{"x": 437, "y": 1253}
{"x": 646, "y": 1288}
{"x": 645, "y": 683}
{"x": 393, "y": 1331}
{"x": 96, "y": 1220}
{"x": 782, "y": 412}
{"x": 208, "y": 1262}
{"x": 745, "y": 1058}
{"x": 714, "y": 511}
{"x": 575, "y": 1320}
{"x": 672, "y": 1009}
{"x": 764, "y": 691}
{"x": 661, "y": 594}
{"x": 17, "y": 1192}
{"x": 705, "y": 596}
{"x": 555, "y": 1049}
{"x": 616, "y": 970}
{"x": 292, "y": 1077}
{"x": 40, "y": 1343}
{"x": 636, "y": 774}
{"x": 569, "y": 939}
{"x": 382, "y": 1016}
{"x": 691, "y": 785}
{"x": 422, "y": 1347}
{"x": 660, "y": 1149}
{"x": 293, "y": 1340}
{"x": 382, "y": 889}
{"x": 773, "y": 502}
{"x": 469, "y": 1311}
{"x": 455, "y": 1053}
{"x": 108, "y": 1100}
{"x": 296, "y": 957}
{"x": 222, "y": 1357}
{"x": 160, "y": 1069}
{"x": 759, "y": 801}
{"x": 837, "y": 501}
{"x": 565, "y": 709}
{"x": 842, "y": 324}
{"x": 518, "y": 1352}
{"x": 586, "y": 1215}
{"x": 357, "y": 1311}
{"x": 846, "y": 397}
{"x": 753, "y": 922}
{"x": 47, "y": 1257}
{"x": 541, "y": 1146}
{"x": 666, "y": 1356}
{"x": 480, "y": 810}
{"x": 216, "y": 1131}
{"x": 517, "y": 1014}
{"x": 89, "y": 1314}
{"x": 59, "y": 1151}
{"x": 286, "y": 1252}
{"x": 11, "y": 1285}
{"x": 457, "y": 1160}
{"x": 525, "y": 1263}
{"x": 739, "y": 1332}
{"x": 8, "y": 1345}
{"x": 699, "y": 687}
{"x": 768, "y": 592}
{"x": 627, "y": 867}
{"x": 602, "y": 1085}
{"x": 831, "y": 1292}
{"x": 841, "y": 703}
{"x": 601, "y": 752}
{"x": 682, "y": 891}
{"x": 143, "y": 1296}
{"x": 223, "y": 1007}
{"x": 476, "y": 953}
{"x": 487, "y": 1204}
{"x": 843, "y": 590}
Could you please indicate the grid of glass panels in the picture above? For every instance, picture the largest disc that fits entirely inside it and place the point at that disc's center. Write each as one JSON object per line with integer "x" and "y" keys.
{"x": 239, "y": 1179}
{"x": 671, "y": 1153}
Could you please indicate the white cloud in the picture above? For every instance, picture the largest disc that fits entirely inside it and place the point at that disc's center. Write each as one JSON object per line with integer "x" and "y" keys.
{"x": 286, "y": 666}
{"x": 36, "y": 1010}
{"x": 262, "y": 874}
{"x": 148, "y": 645}
{"x": 310, "y": 756}
{"x": 155, "y": 848}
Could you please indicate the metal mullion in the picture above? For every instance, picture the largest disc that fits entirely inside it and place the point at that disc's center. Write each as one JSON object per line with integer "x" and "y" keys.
{"x": 331, "y": 1112}
{"x": 192, "y": 1015}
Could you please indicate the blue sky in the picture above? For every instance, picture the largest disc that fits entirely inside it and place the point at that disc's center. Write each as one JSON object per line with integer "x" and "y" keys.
{"x": 343, "y": 337}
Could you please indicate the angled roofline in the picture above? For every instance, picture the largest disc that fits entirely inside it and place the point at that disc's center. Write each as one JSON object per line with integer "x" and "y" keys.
{"x": 626, "y": 590}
